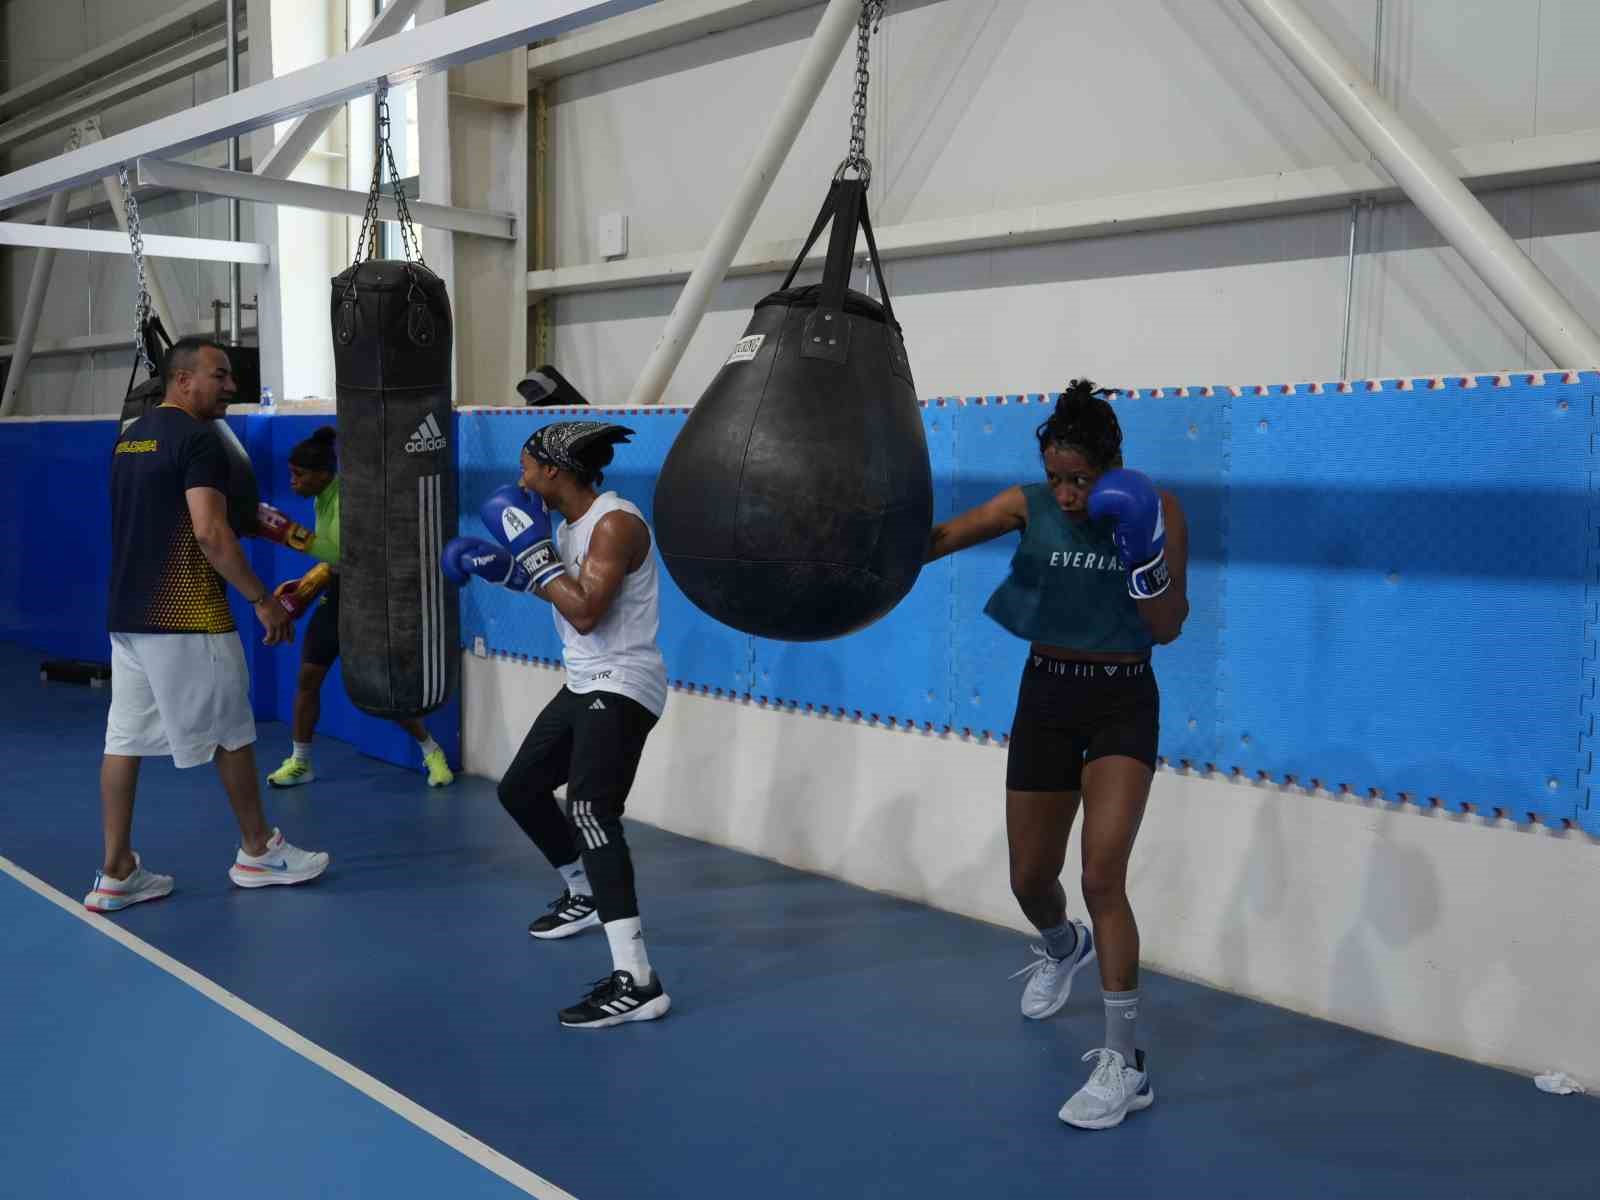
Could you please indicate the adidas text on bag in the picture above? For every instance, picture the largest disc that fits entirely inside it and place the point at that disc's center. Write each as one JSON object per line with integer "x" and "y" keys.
{"x": 428, "y": 437}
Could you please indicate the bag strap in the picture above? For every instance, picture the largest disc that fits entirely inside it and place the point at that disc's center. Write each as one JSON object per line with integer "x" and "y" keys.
{"x": 828, "y": 205}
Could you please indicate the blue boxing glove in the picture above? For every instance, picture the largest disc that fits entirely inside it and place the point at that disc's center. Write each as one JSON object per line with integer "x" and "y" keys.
{"x": 521, "y": 524}
{"x": 1131, "y": 500}
{"x": 465, "y": 557}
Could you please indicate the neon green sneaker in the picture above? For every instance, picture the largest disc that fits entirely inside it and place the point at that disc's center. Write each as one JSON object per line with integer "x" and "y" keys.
{"x": 439, "y": 773}
{"x": 292, "y": 773}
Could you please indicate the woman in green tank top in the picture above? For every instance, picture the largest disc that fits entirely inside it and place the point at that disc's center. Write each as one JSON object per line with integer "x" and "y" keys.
{"x": 1099, "y": 575}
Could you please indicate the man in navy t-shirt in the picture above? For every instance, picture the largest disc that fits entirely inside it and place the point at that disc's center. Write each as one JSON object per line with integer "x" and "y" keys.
{"x": 178, "y": 680}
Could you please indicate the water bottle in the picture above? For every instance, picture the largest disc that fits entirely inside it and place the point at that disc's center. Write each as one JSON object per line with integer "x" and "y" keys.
{"x": 266, "y": 399}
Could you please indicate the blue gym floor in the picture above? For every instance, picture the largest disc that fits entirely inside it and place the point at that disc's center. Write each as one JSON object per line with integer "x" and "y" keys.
{"x": 824, "y": 1041}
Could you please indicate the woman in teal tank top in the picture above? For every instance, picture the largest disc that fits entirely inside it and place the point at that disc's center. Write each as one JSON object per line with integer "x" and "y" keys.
{"x": 1098, "y": 577}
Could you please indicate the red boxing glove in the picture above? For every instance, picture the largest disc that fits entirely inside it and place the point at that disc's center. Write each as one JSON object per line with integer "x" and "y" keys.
{"x": 298, "y": 595}
{"x": 275, "y": 527}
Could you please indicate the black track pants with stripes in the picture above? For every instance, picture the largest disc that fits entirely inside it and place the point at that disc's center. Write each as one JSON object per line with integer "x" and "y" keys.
{"x": 592, "y": 743}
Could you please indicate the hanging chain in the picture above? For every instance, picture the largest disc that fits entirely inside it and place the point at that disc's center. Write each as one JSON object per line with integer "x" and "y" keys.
{"x": 371, "y": 220}
{"x": 871, "y": 18}
{"x": 136, "y": 236}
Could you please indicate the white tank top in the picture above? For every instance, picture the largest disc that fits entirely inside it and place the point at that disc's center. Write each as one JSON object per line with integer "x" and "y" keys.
{"x": 620, "y": 654}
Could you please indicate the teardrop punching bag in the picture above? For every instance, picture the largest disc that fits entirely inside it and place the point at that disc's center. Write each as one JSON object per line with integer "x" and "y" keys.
{"x": 797, "y": 501}
{"x": 399, "y": 628}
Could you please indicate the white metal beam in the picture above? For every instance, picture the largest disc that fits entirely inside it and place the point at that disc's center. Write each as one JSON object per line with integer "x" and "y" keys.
{"x": 670, "y": 23}
{"x": 105, "y": 241}
{"x": 290, "y": 194}
{"x": 478, "y": 32}
{"x": 297, "y": 141}
{"x": 87, "y": 104}
{"x": 184, "y": 20}
{"x": 88, "y": 343}
{"x": 1553, "y": 158}
{"x": 1433, "y": 187}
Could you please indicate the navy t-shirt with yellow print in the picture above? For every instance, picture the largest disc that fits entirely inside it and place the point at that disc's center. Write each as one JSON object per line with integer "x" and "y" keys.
{"x": 160, "y": 580}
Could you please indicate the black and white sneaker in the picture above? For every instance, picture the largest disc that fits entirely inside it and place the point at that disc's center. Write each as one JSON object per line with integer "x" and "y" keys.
{"x": 616, "y": 999}
{"x": 569, "y": 914}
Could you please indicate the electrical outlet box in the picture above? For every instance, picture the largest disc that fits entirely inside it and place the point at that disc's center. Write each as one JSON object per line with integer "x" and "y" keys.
{"x": 612, "y": 235}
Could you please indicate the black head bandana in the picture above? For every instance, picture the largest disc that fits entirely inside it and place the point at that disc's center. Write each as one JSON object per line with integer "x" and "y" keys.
{"x": 562, "y": 444}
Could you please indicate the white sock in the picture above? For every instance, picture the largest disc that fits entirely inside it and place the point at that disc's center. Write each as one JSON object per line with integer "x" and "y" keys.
{"x": 577, "y": 878}
{"x": 627, "y": 949}
{"x": 302, "y": 752}
{"x": 428, "y": 746}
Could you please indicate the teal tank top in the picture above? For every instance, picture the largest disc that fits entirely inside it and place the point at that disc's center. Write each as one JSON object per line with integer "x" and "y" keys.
{"x": 1067, "y": 586}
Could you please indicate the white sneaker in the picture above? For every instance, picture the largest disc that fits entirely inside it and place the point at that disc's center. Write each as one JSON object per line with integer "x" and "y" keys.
{"x": 1114, "y": 1090}
{"x": 108, "y": 894}
{"x": 278, "y": 863}
{"x": 1050, "y": 979}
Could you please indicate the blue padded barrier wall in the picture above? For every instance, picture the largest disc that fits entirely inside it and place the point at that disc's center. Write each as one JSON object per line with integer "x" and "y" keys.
{"x": 1392, "y": 587}
{"x": 54, "y": 569}
{"x": 1405, "y": 601}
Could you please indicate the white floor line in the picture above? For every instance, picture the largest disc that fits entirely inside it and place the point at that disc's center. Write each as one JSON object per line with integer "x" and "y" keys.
{"x": 457, "y": 1139}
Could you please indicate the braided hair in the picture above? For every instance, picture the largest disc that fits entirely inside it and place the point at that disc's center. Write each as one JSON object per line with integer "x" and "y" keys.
{"x": 1084, "y": 421}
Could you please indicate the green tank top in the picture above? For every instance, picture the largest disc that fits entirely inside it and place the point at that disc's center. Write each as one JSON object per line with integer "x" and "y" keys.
{"x": 1067, "y": 586}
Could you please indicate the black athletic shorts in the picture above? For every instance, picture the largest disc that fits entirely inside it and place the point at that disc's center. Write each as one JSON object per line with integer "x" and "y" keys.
{"x": 321, "y": 648}
{"x": 1070, "y": 713}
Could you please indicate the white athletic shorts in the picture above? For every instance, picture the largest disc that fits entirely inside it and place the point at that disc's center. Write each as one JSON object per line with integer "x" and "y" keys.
{"x": 182, "y": 694}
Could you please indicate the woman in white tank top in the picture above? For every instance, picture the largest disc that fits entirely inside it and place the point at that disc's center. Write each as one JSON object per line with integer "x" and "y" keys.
{"x": 591, "y": 736}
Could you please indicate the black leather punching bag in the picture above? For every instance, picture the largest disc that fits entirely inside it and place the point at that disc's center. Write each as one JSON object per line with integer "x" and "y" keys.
{"x": 797, "y": 500}
{"x": 399, "y": 627}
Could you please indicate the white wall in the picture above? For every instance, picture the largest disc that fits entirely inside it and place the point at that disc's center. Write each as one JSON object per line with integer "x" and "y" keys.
{"x": 987, "y": 105}
{"x": 1467, "y": 936}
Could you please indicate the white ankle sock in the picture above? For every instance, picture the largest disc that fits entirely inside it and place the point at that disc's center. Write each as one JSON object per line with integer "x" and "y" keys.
{"x": 627, "y": 949}
{"x": 577, "y": 879}
{"x": 302, "y": 752}
{"x": 428, "y": 747}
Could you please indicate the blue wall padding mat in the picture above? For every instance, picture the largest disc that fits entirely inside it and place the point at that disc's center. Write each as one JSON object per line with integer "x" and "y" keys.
{"x": 55, "y": 564}
{"x": 1393, "y": 585}
{"x": 1405, "y": 594}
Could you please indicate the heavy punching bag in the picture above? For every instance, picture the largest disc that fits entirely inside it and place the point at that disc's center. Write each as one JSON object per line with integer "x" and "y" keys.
{"x": 797, "y": 501}
{"x": 399, "y": 627}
